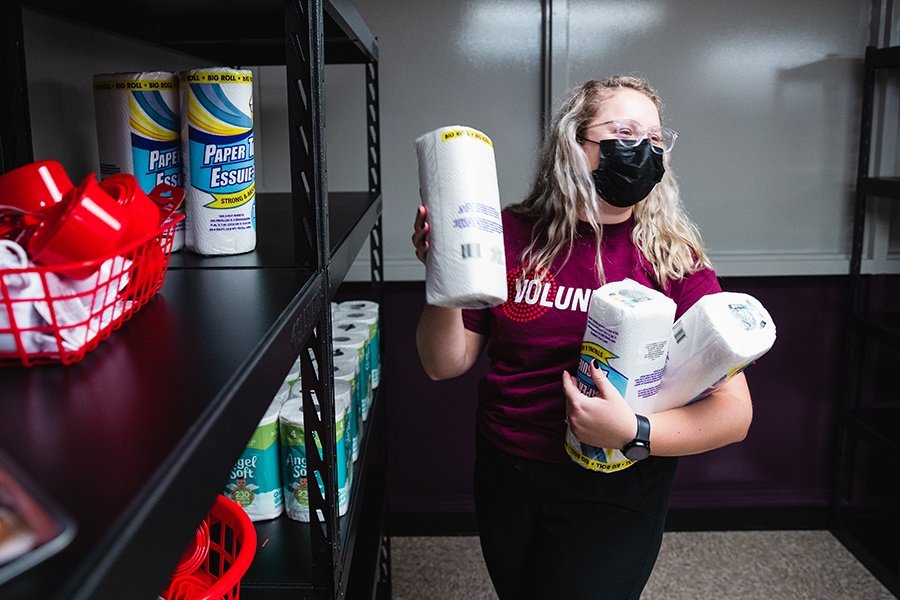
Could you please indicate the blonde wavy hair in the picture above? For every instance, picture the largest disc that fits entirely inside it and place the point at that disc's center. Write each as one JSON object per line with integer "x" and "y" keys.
{"x": 563, "y": 187}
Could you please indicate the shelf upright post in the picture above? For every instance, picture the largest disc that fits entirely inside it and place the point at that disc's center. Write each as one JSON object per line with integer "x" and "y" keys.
{"x": 855, "y": 518}
{"x": 15, "y": 121}
{"x": 304, "y": 42}
{"x": 376, "y": 262}
{"x": 305, "y": 62}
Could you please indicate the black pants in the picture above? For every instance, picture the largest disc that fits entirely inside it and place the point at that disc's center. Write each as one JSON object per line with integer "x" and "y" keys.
{"x": 559, "y": 531}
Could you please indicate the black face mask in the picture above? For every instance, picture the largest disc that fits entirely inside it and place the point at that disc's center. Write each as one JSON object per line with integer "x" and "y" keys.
{"x": 627, "y": 175}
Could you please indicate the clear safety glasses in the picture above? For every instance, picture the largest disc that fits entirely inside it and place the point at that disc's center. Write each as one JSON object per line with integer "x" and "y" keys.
{"x": 630, "y": 133}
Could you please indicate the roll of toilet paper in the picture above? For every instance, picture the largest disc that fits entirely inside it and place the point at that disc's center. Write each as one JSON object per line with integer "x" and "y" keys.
{"x": 255, "y": 479}
{"x": 343, "y": 405}
{"x": 19, "y": 293}
{"x": 366, "y": 322}
{"x": 466, "y": 265}
{"x": 353, "y": 305}
{"x": 355, "y": 343}
{"x": 714, "y": 340}
{"x": 219, "y": 169}
{"x": 295, "y": 471}
{"x": 138, "y": 130}
{"x": 628, "y": 329}
{"x": 293, "y": 380}
{"x": 346, "y": 369}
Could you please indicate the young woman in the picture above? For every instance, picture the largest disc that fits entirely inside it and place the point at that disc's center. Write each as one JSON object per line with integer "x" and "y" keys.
{"x": 603, "y": 206}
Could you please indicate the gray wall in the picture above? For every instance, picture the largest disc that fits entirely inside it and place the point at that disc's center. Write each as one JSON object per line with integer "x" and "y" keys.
{"x": 765, "y": 96}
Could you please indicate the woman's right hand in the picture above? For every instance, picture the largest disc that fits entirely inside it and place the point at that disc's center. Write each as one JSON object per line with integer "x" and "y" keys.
{"x": 420, "y": 234}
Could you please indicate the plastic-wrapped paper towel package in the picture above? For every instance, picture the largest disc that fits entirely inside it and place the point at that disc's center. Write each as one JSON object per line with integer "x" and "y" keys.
{"x": 219, "y": 168}
{"x": 466, "y": 265}
{"x": 628, "y": 330}
{"x": 715, "y": 339}
{"x": 138, "y": 129}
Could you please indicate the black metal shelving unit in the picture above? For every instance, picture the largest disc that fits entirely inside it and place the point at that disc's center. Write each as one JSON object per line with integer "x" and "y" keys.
{"x": 135, "y": 441}
{"x": 866, "y": 505}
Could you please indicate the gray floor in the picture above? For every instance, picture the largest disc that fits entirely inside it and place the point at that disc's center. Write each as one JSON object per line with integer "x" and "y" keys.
{"x": 743, "y": 565}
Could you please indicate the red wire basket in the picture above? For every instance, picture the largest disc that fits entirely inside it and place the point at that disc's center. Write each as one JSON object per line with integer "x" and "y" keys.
{"x": 49, "y": 318}
{"x": 231, "y": 542}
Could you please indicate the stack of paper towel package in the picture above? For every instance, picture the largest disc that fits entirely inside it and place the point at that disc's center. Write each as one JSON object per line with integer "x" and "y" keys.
{"x": 657, "y": 364}
{"x": 466, "y": 265}
{"x": 193, "y": 129}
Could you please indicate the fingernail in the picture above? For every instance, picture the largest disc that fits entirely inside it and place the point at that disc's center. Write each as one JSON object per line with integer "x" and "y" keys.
{"x": 596, "y": 363}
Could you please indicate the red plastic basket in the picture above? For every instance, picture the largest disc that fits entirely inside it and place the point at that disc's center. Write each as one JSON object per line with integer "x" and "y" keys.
{"x": 232, "y": 546}
{"x": 75, "y": 316}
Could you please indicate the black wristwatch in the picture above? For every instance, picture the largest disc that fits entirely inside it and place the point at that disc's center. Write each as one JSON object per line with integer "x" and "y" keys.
{"x": 639, "y": 447}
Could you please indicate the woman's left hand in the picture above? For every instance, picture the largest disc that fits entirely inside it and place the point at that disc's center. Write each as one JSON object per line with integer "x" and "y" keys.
{"x": 604, "y": 421}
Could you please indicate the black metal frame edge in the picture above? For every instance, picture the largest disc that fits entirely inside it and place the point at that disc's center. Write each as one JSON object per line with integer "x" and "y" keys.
{"x": 156, "y": 512}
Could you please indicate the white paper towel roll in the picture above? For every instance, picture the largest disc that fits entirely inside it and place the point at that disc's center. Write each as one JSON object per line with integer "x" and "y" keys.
{"x": 628, "y": 330}
{"x": 138, "y": 130}
{"x": 466, "y": 265}
{"x": 714, "y": 340}
{"x": 219, "y": 169}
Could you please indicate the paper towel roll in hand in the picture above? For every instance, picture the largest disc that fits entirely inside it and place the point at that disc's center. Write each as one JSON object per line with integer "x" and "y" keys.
{"x": 714, "y": 340}
{"x": 466, "y": 265}
{"x": 628, "y": 330}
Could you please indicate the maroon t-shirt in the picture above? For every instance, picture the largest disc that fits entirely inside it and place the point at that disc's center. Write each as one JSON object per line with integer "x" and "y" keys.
{"x": 536, "y": 334}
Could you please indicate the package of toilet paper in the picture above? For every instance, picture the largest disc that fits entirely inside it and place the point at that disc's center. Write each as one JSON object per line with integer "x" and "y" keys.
{"x": 295, "y": 470}
{"x": 255, "y": 479}
{"x": 346, "y": 368}
{"x": 218, "y": 153}
{"x": 628, "y": 330}
{"x": 714, "y": 340}
{"x": 466, "y": 265}
{"x": 366, "y": 312}
{"x": 356, "y": 343}
{"x": 139, "y": 131}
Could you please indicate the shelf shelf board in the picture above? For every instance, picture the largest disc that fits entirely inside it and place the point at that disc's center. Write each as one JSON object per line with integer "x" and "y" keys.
{"x": 883, "y": 187}
{"x": 287, "y": 562}
{"x": 232, "y": 32}
{"x": 879, "y": 426}
{"x": 882, "y": 326}
{"x": 351, "y": 216}
{"x": 871, "y": 535}
{"x": 199, "y": 362}
{"x": 883, "y": 58}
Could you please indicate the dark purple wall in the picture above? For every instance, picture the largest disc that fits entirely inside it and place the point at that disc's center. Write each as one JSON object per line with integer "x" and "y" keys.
{"x": 786, "y": 461}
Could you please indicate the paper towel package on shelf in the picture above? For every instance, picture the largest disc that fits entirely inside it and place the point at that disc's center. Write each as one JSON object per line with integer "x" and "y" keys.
{"x": 715, "y": 339}
{"x": 628, "y": 329}
{"x": 218, "y": 154}
{"x": 138, "y": 130}
{"x": 466, "y": 265}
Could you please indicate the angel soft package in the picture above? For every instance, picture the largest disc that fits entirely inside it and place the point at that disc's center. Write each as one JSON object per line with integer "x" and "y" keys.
{"x": 466, "y": 265}
{"x": 628, "y": 330}
{"x": 714, "y": 340}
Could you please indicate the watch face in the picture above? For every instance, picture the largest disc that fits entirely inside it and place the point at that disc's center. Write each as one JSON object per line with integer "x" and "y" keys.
{"x": 637, "y": 451}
